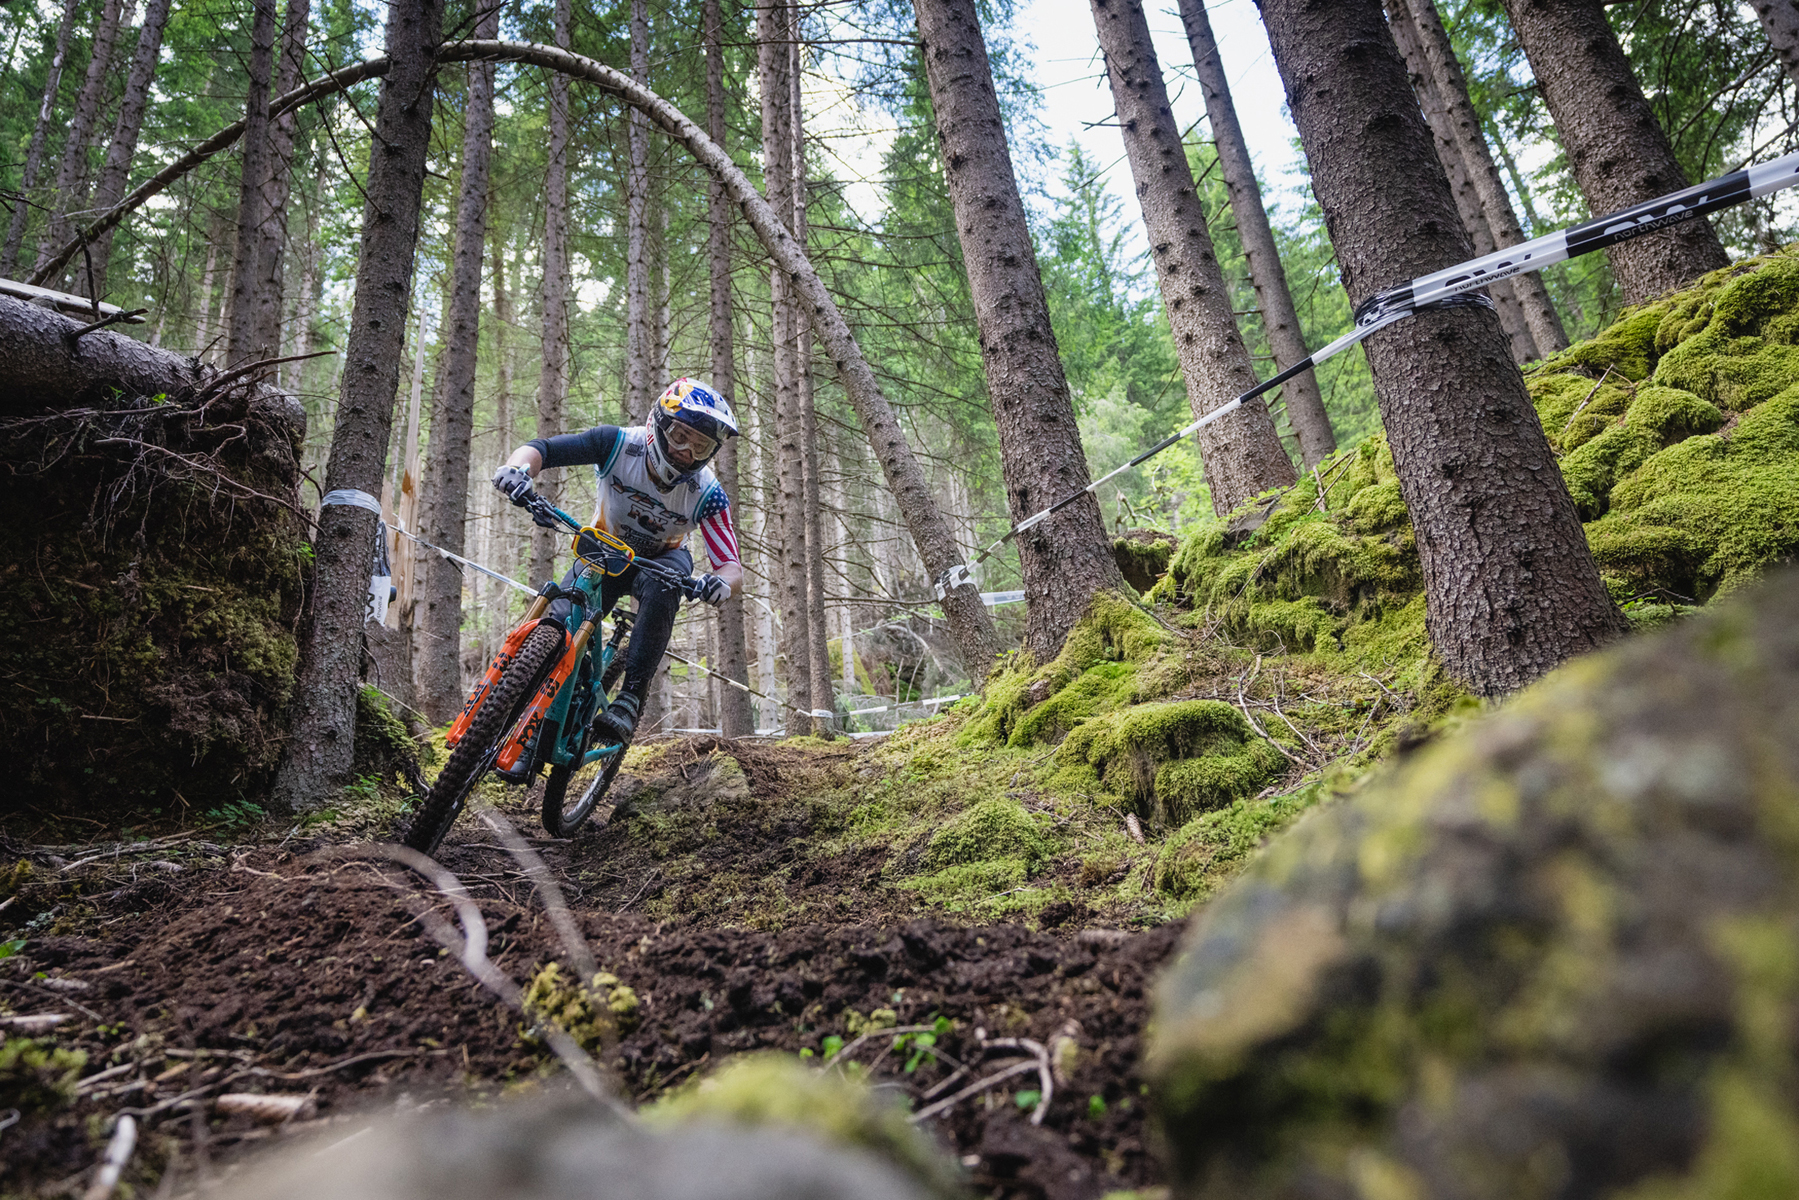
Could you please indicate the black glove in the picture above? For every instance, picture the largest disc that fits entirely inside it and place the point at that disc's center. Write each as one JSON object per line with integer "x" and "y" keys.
{"x": 712, "y": 590}
{"x": 514, "y": 483}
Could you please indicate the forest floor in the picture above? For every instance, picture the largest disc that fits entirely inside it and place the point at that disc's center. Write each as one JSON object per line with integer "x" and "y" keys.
{"x": 256, "y": 959}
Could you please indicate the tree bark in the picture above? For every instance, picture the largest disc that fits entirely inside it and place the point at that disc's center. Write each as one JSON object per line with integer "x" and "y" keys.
{"x": 1619, "y": 155}
{"x": 1305, "y": 405}
{"x": 735, "y": 716}
{"x": 40, "y": 132}
{"x": 639, "y": 349}
{"x": 1067, "y": 558}
{"x": 264, "y": 321}
{"x": 117, "y": 170}
{"x": 243, "y": 340}
{"x": 1510, "y": 587}
{"x": 774, "y": 65}
{"x": 1242, "y": 453}
{"x": 818, "y": 655}
{"x": 438, "y": 667}
{"x": 319, "y": 753}
{"x": 71, "y": 171}
{"x": 1780, "y": 21}
{"x": 1461, "y": 183}
{"x": 1452, "y": 89}
{"x": 552, "y": 376}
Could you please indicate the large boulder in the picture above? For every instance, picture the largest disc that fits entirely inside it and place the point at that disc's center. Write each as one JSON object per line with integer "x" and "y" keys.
{"x": 1554, "y": 956}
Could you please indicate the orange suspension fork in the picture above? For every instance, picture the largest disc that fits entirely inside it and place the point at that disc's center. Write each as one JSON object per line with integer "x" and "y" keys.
{"x": 546, "y": 695}
{"x": 508, "y": 651}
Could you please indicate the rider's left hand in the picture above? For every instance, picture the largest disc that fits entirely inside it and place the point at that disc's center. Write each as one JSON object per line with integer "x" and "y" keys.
{"x": 713, "y": 590}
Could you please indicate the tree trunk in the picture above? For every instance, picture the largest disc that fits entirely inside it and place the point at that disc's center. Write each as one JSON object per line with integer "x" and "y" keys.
{"x": 1510, "y": 587}
{"x": 1780, "y": 21}
{"x": 1243, "y": 455}
{"x": 1067, "y": 558}
{"x": 1619, "y": 154}
{"x": 243, "y": 338}
{"x": 264, "y": 321}
{"x": 1461, "y": 183}
{"x": 552, "y": 376}
{"x": 1305, "y": 405}
{"x": 117, "y": 170}
{"x": 1452, "y": 89}
{"x": 319, "y": 751}
{"x": 774, "y": 30}
{"x": 249, "y": 279}
{"x": 818, "y": 655}
{"x": 438, "y": 668}
{"x": 71, "y": 171}
{"x": 735, "y": 717}
{"x": 40, "y": 132}
{"x": 639, "y": 385}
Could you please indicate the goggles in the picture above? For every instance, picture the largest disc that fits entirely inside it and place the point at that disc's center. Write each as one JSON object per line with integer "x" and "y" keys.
{"x": 684, "y": 437}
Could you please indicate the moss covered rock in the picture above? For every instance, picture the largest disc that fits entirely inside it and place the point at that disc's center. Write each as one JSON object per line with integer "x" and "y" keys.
{"x": 1556, "y": 955}
{"x": 777, "y": 1091}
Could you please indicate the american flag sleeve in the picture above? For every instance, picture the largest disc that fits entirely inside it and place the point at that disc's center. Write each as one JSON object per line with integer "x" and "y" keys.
{"x": 716, "y": 528}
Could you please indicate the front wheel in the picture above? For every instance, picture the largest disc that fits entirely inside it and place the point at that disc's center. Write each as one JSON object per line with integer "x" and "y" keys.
{"x": 573, "y": 790}
{"x": 481, "y": 741}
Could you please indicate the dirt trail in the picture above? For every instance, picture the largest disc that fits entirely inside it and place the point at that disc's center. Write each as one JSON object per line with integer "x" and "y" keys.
{"x": 290, "y": 970}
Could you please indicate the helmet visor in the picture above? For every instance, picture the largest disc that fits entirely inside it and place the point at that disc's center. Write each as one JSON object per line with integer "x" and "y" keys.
{"x": 687, "y": 443}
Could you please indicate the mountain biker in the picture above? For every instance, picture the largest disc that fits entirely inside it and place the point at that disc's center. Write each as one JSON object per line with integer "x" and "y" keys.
{"x": 655, "y": 488}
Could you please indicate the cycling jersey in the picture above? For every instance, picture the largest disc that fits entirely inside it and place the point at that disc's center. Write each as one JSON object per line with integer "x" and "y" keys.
{"x": 632, "y": 508}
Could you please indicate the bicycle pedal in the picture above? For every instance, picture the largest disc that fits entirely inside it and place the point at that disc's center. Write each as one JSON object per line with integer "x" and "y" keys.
{"x": 516, "y": 775}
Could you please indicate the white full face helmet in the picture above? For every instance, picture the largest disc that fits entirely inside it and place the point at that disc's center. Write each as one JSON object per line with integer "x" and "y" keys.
{"x": 687, "y": 425}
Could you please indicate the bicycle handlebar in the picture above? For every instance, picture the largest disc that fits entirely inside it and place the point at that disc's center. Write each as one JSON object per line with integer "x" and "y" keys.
{"x": 549, "y": 516}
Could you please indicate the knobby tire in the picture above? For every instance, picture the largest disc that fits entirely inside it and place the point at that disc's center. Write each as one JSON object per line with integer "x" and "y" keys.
{"x": 474, "y": 754}
{"x": 590, "y": 785}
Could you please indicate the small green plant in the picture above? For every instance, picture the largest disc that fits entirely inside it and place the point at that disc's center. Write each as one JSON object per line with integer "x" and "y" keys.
{"x": 1096, "y": 1107}
{"x": 832, "y": 1046}
{"x": 366, "y": 788}
{"x": 236, "y": 814}
{"x": 1029, "y": 1098}
{"x": 8, "y": 949}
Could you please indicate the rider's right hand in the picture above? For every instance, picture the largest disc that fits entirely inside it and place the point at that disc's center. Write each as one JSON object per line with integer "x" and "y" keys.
{"x": 514, "y": 483}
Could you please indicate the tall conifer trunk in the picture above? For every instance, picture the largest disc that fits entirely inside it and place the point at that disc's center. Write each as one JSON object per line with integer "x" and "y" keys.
{"x": 1780, "y": 21}
{"x": 1068, "y": 557}
{"x": 1305, "y": 405}
{"x": 1510, "y": 588}
{"x": 1242, "y": 453}
{"x": 40, "y": 133}
{"x": 639, "y": 337}
{"x": 818, "y": 655}
{"x": 245, "y": 337}
{"x": 319, "y": 750}
{"x": 735, "y": 717}
{"x": 774, "y": 32}
{"x": 271, "y": 232}
{"x": 1619, "y": 154}
{"x": 116, "y": 171}
{"x": 438, "y": 665}
{"x": 1461, "y": 183}
{"x": 552, "y": 375}
{"x": 71, "y": 170}
{"x": 1452, "y": 88}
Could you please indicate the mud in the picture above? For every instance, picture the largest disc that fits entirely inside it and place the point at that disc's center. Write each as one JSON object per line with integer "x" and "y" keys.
{"x": 290, "y": 970}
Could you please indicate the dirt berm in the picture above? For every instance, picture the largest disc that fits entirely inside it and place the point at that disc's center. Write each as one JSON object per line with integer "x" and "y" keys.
{"x": 1554, "y": 956}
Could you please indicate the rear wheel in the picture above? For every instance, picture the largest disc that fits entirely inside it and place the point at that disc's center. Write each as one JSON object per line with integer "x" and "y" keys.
{"x": 571, "y": 793}
{"x": 474, "y": 754}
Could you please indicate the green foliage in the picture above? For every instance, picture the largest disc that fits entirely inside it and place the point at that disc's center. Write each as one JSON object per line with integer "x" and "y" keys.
{"x": 992, "y": 829}
{"x": 593, "y": 1013}
{"x": 1210, "y": 849}
{"x": 36, "y": 1075}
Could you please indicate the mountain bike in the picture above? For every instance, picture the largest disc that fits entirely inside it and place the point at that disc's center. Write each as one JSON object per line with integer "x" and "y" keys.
{"x": 535, "y": 707}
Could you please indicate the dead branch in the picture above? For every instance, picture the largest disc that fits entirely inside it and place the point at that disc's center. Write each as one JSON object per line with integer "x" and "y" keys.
{"x": 973, "y": 1089}
{"x": 1045, "y": 1076}
{"x": 1250, "y": 717}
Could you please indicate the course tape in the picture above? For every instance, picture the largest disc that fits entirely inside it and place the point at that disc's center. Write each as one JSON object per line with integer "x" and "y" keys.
{"x": 1452, "y": 286}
